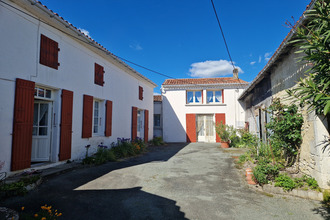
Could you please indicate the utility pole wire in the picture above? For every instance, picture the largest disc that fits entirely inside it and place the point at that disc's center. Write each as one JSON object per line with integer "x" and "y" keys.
{"x": 223, "y": 36}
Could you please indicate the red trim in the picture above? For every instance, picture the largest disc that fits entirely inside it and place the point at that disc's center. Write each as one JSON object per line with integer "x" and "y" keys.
{"x": 108, "y": 119}
{"x": 191, "y": 127}
{"x": 146, "y": 125}
{"x": 87, "y": 126}
{"x": 134, "y": 123}
{"x": 23, "y": 124}
{"x": 66, "y": 125}
{"x": 221, "y": 117}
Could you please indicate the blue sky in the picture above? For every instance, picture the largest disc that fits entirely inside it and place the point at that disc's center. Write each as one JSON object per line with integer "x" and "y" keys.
{"x": 181, "y": 38}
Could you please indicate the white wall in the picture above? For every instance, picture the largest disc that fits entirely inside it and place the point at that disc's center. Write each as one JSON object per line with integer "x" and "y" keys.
{"x": 19, "y": 58}
{"x": 175, "y": 110}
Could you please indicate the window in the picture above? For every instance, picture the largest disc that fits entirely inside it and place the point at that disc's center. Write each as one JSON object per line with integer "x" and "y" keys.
{"x": 98, "y": 75}
{"x": 140, "y": 92}
{"x": 157, "y": 120}
{"x": 97, "y": 119}
{"x": 49, "y": 52}
{"x": 42, "y": 93}
{"x": 214, "y": 96}
{"x": 194, "y": 97}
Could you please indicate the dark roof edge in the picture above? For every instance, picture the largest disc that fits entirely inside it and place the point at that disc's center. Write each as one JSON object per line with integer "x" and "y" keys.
{"x": 277, "y": 53}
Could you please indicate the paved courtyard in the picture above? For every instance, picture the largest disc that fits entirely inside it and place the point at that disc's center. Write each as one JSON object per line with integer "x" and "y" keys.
{"x": 177, "y": 181}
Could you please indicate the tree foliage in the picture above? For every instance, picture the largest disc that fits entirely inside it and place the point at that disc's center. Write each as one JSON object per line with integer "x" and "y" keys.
{"x": 313, "y": 39}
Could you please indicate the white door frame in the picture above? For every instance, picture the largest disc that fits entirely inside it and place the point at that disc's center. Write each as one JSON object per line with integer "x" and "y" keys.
{"x": 201, "y": 129}
{"x": 140, "y": 123}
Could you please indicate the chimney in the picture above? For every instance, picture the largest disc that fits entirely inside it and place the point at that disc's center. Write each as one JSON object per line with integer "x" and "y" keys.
{"x": 235, "y": 73}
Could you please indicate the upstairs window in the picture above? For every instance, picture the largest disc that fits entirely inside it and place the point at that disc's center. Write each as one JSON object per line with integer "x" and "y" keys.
{"x": 49, "y": 52}
{"x": 140, "y": 93}
{"x": 97, "y": 118}
{"x": 194, "y": 97}
{"x": 214, "y": 96}
{"x": 98, "y": 75}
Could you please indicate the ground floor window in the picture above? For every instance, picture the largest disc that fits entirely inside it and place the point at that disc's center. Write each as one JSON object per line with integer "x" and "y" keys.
{"x": 157, "y": 120}
{"x": 97, "y": 117}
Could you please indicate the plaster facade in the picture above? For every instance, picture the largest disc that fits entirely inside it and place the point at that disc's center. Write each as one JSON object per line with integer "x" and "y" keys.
{"x": 19, "y": 58}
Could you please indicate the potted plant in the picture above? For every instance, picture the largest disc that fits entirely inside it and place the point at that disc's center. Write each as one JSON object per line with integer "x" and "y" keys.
{"x": 224, "y": 134}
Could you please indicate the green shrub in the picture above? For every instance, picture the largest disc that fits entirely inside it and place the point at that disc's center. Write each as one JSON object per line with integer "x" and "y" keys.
{"x": 283, "y": 180}
{"x": 265, "y": 172}
{"x": 312, "y": 183}
{"x": 157, "y": 141}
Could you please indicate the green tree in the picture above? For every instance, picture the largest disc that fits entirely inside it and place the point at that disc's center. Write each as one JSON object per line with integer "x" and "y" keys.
{"x": 313, "y": 39}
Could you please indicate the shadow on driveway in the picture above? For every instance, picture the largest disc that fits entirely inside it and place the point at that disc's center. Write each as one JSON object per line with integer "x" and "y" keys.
{"x": 131, "y": 203}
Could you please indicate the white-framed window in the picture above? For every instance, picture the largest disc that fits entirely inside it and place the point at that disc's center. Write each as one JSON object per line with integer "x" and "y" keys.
{"x": 98, "y": 128}
{"x": 194, "y": 97}
{"x": 214, "y": 96}
{"x": 42, "y": 93}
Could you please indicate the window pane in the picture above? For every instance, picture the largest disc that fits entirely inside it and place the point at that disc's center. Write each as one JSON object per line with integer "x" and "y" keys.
{"x": 43, "y": 115}
{"x": 36, "y": 91}
{"x": 35, "y": 131}
{"x": 35, "y": 114}
{"x": 48, "y": 93}
{"x": 198, "y": 96}
{"x": 190, "y": 96}
{"x": 41, "y": 92}
{"x": 42, "y": 131}
{"x": 217, "y": 96}
{"x": 209, "y": 95}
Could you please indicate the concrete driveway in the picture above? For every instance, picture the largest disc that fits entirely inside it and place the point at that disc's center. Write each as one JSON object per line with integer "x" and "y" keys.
{"x": 177, "y": 181}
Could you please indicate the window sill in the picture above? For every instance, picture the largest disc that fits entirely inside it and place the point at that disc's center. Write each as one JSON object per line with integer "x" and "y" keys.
{"x": 207, "y": 104}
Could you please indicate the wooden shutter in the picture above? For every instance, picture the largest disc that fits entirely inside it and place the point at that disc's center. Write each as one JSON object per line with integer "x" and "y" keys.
{"x": 66, "y": 125}
{"x": 87, "y": 117}
{"x": 134, "y": 123}
{"x": 22, "y": 125}
{"x": 221, "y": 117}
{"x": 98, "y": 75}
{"x": 191, "y": 127}
{"x": 146, "y": 125}
{"x": 140, "y": 92}
{"x": 108, "y": 119}
{"x": 49, "y": 52}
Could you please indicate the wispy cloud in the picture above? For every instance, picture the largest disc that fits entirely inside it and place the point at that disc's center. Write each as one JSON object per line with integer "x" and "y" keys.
{"x": 259, "y": 61}
{"x": 156, "y": 93}
{"x": 212, "y": 68}
{"x": 267, "y": 55}
{"x": 252, "y": 63}
{"x": 136, "y": 46}
{"x": 84, "y": 31}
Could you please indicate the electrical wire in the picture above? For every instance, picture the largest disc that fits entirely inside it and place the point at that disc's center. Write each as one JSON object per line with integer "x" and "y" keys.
{"x": 223, "y": 35}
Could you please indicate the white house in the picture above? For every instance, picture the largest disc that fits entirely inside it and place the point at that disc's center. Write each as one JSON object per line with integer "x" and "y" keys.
{"x": 192, "y": 107}
{"x": 61, "y": 90}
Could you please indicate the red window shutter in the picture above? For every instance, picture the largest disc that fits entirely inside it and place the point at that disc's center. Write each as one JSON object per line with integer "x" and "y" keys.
{"x": 191, "y": 127}
{"x": 134, "y": 123}
{"x": 146, "y": 125}
{"x": 223, "y": 97}
{"x": 48, "y": 52}
{"x": 221, "y": 117}
{"x": 87, "y": 117}
{"x": 66, "y": 125}
{"x": 22, "y": 125}
{"x": 98, "y": 75}
{"x": 140, "y": 92}
{"x": 108, "y": 119}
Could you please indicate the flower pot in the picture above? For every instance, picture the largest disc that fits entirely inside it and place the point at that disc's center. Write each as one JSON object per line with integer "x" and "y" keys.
{"x": 225, "y": 144}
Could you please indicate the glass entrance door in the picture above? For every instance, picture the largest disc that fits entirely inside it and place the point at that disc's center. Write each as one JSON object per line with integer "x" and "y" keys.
{"x": 205, "y": 128}
{"x": 41, "y": 131}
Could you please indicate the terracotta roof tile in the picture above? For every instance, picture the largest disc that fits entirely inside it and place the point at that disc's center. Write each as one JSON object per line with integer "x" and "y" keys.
{"x": 157, "y": 98}
{"x": 201, "y": 81}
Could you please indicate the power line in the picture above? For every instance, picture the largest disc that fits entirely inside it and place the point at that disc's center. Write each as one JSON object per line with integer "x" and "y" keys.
{"x": 223, "y": 36}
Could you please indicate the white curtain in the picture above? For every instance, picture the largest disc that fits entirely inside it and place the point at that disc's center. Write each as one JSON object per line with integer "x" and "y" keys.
{"x": 198, "y": 96}
{"x": 217, "y": 96}
{"x": 200, "y": 125}
{"x": 210, "y": 96}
